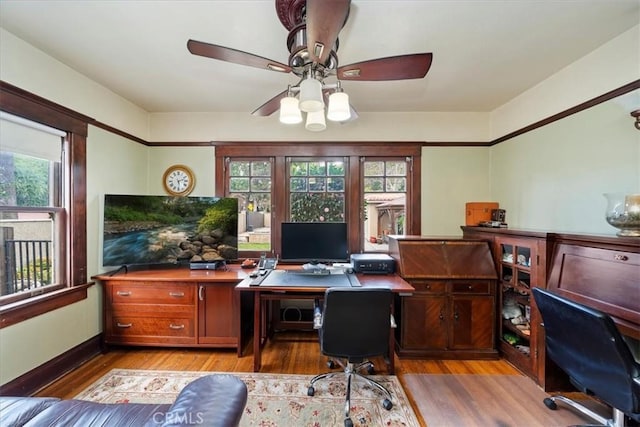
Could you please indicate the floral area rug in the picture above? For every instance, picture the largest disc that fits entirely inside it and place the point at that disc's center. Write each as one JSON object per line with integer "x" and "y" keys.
{"x": 274, "y": 399}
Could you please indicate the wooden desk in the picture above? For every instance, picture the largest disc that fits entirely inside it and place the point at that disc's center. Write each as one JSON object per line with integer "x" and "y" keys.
{"x": 265, "y": 294}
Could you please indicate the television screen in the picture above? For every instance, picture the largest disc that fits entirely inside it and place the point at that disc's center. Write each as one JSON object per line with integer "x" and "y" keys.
{"x": 168, "y": 230}
{"x": 314, "y": 241}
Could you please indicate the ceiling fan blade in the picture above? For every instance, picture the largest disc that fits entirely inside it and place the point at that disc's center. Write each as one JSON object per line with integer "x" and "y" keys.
{"x": 402, "y": 67}
{"x": 271, "y": 106}
{"x": 325, "y": 19}
{"x": 235, "y": 56}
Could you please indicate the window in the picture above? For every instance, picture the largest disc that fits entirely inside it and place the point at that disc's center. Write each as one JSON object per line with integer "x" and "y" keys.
{"x": 249, "y": 180}
{"x": 385, "y": 193}
{"x": 337, "y": 182}
{"x": 47, "y": 280}
{"x": 316, "y": 190}
{"x": 31, "y": 213}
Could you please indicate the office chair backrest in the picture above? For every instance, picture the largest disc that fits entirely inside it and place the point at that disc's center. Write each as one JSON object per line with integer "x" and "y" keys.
{"x": 586, "y": 344}
{"x": 356, "y": 322}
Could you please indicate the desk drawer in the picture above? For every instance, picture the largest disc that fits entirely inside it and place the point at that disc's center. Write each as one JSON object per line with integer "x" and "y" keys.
{"x": 131, "y": 326}
{"x": 476, "y": 287}
{"x": 152, "y": 293}
{"x": 429, "y": 286}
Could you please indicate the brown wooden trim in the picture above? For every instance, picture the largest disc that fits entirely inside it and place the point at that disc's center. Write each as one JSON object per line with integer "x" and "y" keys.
{"x": 134, "y": 138}
{"x": 573, "y": 110}
{"x": 324, "y": 149}
{"x": 29, "y": 383}
{"x": 25, "y": 104}
{"x": 16, "y": 312}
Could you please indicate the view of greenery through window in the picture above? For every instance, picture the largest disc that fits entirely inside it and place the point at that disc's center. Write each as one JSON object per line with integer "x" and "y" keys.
{"x": 26, "y": 222}
{"x": 317, "y": 191}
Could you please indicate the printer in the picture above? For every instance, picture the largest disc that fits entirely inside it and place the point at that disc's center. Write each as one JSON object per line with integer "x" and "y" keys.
{"x": 373, "y": 263}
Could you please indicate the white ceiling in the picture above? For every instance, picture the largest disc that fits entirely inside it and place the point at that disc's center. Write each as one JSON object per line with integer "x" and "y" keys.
{"x": 485, "y": 52}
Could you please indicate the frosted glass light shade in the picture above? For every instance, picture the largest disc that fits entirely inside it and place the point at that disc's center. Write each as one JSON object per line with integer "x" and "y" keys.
{"x": 339, "y": 109}
{"x": 315, "y": 121}
{"x": 311, "y": 95}
{"x": 289, "y": 111}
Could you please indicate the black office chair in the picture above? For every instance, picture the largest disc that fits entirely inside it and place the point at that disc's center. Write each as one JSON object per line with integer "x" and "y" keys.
{"x": 586, "y": 344}
{"x": 354, "y": 324}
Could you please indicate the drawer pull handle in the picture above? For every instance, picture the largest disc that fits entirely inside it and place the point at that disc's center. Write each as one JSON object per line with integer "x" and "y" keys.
{"x": 176, "y": 294}
{"x": 124, "y": 293}
{"x": 124, "y": 325}
{"x": 172, "y": 326}
{"x": 621, "y": 257}
{"x": 470, "y": 287}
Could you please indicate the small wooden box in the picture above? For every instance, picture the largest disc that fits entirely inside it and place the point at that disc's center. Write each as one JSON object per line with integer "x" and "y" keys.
{"x": 477, "y": 212}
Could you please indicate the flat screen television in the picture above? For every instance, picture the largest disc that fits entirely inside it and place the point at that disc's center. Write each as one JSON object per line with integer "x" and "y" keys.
{"x": 314, "y": 241}
{"x": 154, "y": 230}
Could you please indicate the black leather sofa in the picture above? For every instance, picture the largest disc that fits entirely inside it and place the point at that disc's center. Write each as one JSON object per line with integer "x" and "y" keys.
{"x": 216, "y": 400}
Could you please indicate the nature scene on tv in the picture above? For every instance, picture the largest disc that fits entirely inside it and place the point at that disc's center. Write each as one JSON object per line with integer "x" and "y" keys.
{"x": 169, "y": 230}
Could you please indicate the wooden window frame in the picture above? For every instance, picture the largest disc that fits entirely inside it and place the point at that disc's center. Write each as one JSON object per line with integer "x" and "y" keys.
{"x": 280, "y": 151}
{"x": 21, "y": 103}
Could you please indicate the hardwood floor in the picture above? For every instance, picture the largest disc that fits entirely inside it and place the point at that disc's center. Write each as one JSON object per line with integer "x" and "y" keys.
{"x": 287, "y": 352}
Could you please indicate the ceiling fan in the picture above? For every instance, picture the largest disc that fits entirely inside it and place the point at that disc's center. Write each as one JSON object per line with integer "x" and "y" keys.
{"x": 314, "y": 26}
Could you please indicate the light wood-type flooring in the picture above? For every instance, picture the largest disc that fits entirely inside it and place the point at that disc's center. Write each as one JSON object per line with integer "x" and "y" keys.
{"x": 286, "y": 352}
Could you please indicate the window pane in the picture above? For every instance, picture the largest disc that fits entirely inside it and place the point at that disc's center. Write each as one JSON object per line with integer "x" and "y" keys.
{"x": 261, "y": 168}
{"x": 260, "y": 184}
{"x": 317, "y": 207}
{"x": 335, "y": 184}
{"x": 298, "y": 184}
{"x": 373, "y": 168}
{"x": 238, "y": 184}
{"x": 27, "y": 248}
{"x": 317, "y": 184}
{"x": 26, "y": 180}
{"x": 396, "y": 185}
{"x": 336, "y": 168}
{"x": 237, "y": 168}
{"x": 317, "y": 168}
{"x": 394, "y": 168}
{"x": 372, "y": 185}
{"x": 298, "y": 169}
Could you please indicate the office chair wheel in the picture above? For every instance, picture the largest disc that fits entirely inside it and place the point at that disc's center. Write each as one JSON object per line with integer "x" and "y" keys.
{"x": 348, "y": 422}
{"x": 331, "y": 364}
{"x": 549, "y": 403}
{"x": 371, "y": 370}
{"x": 387, "y": 404}
{"x": 311, "y": 391}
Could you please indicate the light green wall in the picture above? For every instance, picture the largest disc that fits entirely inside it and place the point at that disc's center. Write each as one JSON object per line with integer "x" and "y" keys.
{"x": 553, "y": 178}
{"x": 451, "y": 177}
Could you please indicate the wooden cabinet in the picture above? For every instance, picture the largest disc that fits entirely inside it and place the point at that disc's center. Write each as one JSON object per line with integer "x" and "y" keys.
{"x": 177, "y": 307}
{"x": 218, "y": 305}
{"x": 452, "y": 311}
{"x": 521, "y": 262}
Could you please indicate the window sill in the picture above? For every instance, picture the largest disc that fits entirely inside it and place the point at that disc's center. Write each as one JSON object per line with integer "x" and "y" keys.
{"x": 19, "y": 311}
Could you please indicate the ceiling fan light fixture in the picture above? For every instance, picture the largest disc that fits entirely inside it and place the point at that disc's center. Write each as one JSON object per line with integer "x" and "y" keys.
{"x": 315, "y": 121}
{"x": 339, "y": 109}
{"x": 289, "y": 111}
{"x": 311, "y": 95}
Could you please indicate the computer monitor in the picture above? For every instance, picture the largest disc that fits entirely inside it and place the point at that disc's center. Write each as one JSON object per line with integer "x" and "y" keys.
{"x": 314, "y": 241}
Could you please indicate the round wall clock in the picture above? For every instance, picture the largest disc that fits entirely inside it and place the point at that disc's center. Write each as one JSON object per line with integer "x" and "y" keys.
{"x": 178, "y": 180}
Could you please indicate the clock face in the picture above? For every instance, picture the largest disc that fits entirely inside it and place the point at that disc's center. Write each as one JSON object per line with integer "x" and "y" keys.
{"x": 178, "y": 180}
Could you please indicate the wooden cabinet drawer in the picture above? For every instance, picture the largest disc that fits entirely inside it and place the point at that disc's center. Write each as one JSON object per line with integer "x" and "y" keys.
{"x": 429, "y": 286}
{"x": 152, "y": 293}
{"x": 132, "y": 326}
{"x": 471, "y": 287}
